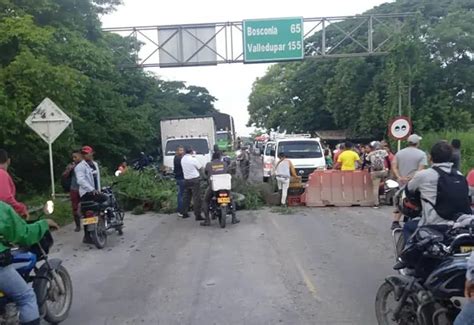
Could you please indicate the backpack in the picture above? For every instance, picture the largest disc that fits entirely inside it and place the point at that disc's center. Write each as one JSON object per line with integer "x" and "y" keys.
{"x": 377, "y": 161}
{"x": 452, "y": 195}
{"x": 66, "y": 180}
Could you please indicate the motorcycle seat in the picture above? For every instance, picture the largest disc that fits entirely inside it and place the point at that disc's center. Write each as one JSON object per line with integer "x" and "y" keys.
{"x": 92, "y": 205}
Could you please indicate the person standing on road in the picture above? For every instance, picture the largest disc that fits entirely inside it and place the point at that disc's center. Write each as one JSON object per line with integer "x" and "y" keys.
{"x": 348, "y": 158}
{"x": 284, "y": 170}
{"x": 378, "y": 172}
{"x": 179, "y": 176}
{"x": 88, "y": 179}
{"x": 69, "y": 179}
{"x": 244, "y": 161}
{"x": 7, "y": 187}
{"x": 192, "y": 184}
{"x": 15, "y": 230}
{"x": 328, "y": 158}
{"x": 456, "y": 144}
{"x": 407, "y": 162}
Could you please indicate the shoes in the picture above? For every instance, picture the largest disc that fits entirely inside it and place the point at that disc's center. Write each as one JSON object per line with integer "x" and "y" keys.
{"x": 200, "y": 218}
{"x": 376, "y": 207}
{"x": 235, "y": 221}
{"x": 185, "y": 216}
{"x": 180, "y": 214}
{"x": 77, "y": 229}
{"x": 395, "y": 225}
{"x": 206, "y": 223}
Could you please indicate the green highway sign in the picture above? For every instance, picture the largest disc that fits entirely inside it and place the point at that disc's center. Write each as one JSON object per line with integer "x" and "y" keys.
{"x": 277, "y": 39}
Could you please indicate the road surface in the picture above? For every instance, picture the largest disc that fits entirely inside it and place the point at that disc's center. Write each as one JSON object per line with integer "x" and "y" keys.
{"x": 314, "y": 266}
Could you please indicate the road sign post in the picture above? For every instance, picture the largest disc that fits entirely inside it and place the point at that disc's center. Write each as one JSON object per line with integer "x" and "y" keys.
{"x": 399, "y": 128}
{"x": 48, "y": 121}
{"x": 270, "y": 40}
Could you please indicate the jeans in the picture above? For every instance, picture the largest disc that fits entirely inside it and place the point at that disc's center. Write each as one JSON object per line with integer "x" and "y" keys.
{"x": 466, "y": 316}
{"x": 409, "y": 228}
{"x": 283, "y": 185}
{"x": 192, "y": 189}
{"x": 15, "y": 287}
{"x": 180, "y": 184}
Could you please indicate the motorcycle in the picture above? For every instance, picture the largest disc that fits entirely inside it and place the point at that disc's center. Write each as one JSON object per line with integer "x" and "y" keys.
{"x": 390, "y": 189}
{"x": 99, "y": 218}
{"x": 221, "y": 203}
{"x": 430, "y": 284}
{"x": 51, "y": 281}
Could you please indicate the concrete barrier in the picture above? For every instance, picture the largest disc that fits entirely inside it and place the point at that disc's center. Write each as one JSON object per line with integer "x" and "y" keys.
{"x": 339, "y": 188}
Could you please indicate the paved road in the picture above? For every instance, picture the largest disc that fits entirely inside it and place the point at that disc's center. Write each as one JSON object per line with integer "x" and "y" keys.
{"x": 316, "y": 266}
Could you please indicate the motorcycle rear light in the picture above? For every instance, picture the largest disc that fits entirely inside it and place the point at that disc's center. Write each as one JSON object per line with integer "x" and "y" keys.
{"x": 223, "y": 194}
{"x": 89, "y": 214}
{"x": 268, "y": 166}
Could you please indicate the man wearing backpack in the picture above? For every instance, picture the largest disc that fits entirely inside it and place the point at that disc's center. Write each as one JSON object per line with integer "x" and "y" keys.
{"x": 69, "y": 184}
{"x": 378, "y": 172}
{"x": 444, "y": 191}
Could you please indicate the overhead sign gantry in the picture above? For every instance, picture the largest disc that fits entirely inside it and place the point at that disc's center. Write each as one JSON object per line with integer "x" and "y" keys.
{"x": 260, "y": 40}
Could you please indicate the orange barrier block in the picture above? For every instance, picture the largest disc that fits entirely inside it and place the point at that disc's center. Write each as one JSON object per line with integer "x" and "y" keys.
{"x": 339, "y": 188}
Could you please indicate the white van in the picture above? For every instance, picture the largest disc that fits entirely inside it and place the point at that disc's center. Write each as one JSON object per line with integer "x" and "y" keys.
{"x": 305, "y": 153}
{"x": 267, "y": 160}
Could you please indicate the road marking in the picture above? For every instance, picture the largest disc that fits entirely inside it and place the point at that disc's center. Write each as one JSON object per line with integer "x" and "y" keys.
{"x": 306, "y": 279}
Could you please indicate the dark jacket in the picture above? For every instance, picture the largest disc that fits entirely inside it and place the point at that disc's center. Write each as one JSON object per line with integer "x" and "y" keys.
{"x": 178, "y": 169}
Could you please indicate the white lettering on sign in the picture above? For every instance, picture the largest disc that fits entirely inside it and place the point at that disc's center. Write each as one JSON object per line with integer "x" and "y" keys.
{"x": 262, "y": 31}
{"x": 262, "y": 48}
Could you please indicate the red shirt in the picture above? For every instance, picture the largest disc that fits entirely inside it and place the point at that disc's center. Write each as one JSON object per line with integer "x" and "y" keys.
{"x": 8, "y": 192}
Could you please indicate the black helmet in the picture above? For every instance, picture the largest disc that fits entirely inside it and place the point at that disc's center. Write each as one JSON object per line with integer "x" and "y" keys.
{"x": 410, "y": 204}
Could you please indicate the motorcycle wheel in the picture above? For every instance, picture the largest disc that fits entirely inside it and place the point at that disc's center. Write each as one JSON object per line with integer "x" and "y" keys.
{"x": 99, "y": 235}
{"x": 385, "y": 304}
{"x": 223, "y": 216}
{"x": 57, "y": 304}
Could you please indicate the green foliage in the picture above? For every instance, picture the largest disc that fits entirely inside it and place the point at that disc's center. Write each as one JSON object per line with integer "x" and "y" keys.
{"x": 56, "y": 49}
{"x": 62, "y": 209}
{"x": 467, "y": 145}
{"x": 430, "y": 64}
{"x": 253, "y": 193}
{"x": 142, "y": 188}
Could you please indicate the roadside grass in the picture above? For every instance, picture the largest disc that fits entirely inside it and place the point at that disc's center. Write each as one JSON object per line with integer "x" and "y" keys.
{"x": 467, "y": 145}
{"x": 284, "y": 210}
{"x": 62, "y": 209}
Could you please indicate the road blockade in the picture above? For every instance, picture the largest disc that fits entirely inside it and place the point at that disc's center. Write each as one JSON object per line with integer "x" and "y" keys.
{"x": 339, "y": 188}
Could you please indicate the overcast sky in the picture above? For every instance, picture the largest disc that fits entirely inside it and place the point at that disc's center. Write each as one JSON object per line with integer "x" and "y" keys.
{"x": 230, "y": 83}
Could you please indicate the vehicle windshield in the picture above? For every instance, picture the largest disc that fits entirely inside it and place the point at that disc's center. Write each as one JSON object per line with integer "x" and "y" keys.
{"x": 199, "y": 145}
{"x": 300, "y": 149}
{"x": 269, "y": 148}
{"x": 222, "y": 136}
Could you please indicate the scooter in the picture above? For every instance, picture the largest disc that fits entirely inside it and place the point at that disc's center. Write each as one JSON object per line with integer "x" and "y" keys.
{"x": 51, "y": 281}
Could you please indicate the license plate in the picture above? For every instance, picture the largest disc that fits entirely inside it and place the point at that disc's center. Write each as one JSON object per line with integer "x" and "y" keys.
{"x": 466, "y": 249}
{"x": 90, "y": 221}
{"x": 223, "y": 200}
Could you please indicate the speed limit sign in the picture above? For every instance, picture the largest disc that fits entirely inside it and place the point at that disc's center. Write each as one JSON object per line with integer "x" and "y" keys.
{"x": 400, "y": 128}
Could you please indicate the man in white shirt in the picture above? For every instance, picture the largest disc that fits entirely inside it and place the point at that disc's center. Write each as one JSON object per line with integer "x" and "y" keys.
{"x": 192, "y": 184}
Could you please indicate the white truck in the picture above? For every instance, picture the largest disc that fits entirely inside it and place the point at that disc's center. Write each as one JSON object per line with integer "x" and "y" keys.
{"x": 196, "y": 132}
{"x": 305, "y": 153}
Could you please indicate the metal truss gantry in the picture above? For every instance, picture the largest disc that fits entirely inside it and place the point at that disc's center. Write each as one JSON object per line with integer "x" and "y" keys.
{"x": 325, "y": 37}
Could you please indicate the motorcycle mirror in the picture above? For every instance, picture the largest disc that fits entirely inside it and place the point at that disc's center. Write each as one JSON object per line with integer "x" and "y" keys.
{"x": 49, "y": 207}
{"x": 391, "y": 184}
{"x": 118, "y": 173}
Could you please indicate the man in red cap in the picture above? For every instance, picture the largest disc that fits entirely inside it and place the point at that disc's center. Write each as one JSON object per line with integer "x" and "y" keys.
{"x": 88, "y": 179}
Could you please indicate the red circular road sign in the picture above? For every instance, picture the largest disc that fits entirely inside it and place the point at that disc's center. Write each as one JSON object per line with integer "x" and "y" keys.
{"x": 400, "y": 128}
